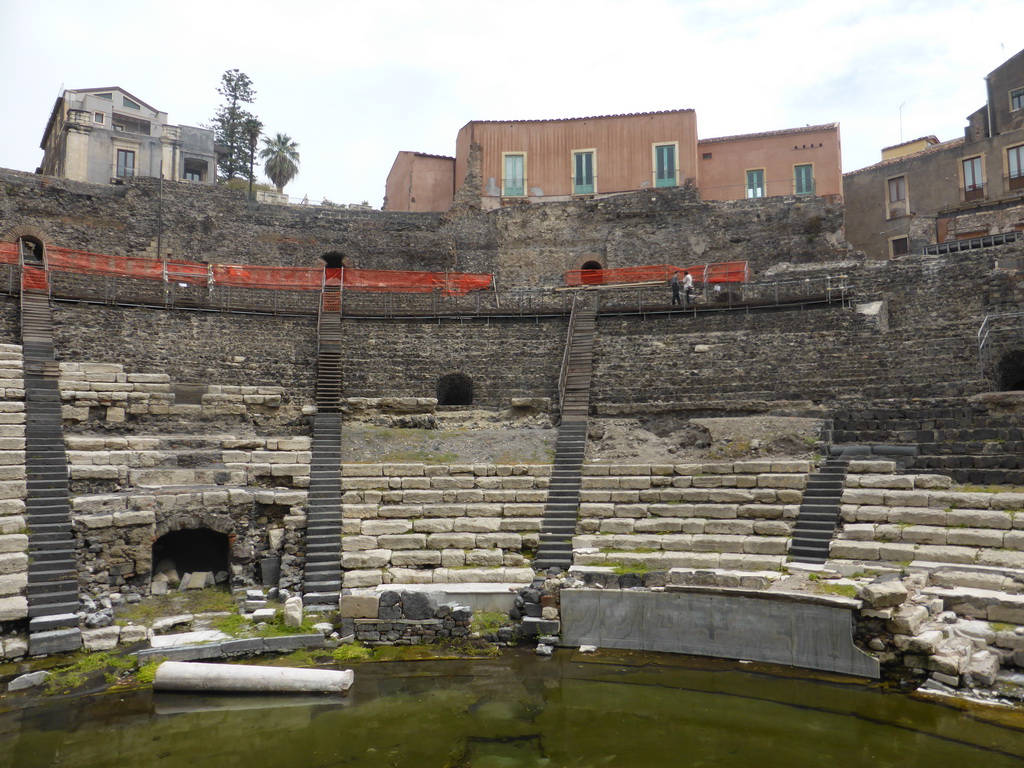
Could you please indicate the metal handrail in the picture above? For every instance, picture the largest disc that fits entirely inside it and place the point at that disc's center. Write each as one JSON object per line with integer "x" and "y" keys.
{"x": 564, "y": 374}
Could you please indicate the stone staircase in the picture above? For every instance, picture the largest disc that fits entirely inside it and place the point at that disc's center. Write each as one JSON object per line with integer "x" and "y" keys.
{"x": 322, "y": 584}
{"x": 563, "y": 501}
{"x": 52, "y": 577}
{"x": 819, "y": 512}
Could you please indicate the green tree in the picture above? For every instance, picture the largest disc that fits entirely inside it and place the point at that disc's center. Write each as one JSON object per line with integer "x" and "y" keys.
{"x": 280, "y": 157}
{"x": 234, "y": 126}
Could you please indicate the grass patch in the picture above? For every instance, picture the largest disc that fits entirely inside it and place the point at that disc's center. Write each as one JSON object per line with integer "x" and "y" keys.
{"x": 352, "y": 652}
{"x": 88, "y": 668}
{"x": 1002, "y": 626}
{"x": 212, "y": 600}
{"x": 147, "y": 672}
{"x": 487, "y": 622}
{"x": 237, "y": 625}
{"x": 622, "y": 569}
{"x": 841, "y": 590}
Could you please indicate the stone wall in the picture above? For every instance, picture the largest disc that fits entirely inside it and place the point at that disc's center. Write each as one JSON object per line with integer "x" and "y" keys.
{"x": 416, "y": 523}
{"x": 211, "y": 350}
{"x": 504, "y": 359}
{"x": 525, "y": 245}
{"x": 13, "y": 528}
{"x": 734, "y": 515}
{"x": 895, "y": 518}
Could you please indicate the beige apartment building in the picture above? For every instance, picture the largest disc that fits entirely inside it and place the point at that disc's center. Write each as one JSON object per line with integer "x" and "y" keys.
{"x": 536, "y": 161}
{"x": 934, "y": 197}
{"x": 101, "y": 135}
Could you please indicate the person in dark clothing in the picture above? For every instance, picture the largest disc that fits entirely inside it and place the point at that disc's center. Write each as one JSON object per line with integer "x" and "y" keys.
{"x": 674, "y": 282}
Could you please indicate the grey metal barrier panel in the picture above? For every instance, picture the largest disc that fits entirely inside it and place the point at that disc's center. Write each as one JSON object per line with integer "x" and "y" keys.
{"x": 769, "y": 627}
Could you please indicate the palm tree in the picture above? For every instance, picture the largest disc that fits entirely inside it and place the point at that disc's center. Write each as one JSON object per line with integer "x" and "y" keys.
{"x": 281, "y": 159}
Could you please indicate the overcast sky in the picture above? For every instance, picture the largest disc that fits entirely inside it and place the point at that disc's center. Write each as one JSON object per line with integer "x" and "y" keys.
{"x": 355, "y": 82}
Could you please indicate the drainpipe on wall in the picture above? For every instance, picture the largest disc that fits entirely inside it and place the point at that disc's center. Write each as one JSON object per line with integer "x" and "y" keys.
{"x": 988, "y": 106}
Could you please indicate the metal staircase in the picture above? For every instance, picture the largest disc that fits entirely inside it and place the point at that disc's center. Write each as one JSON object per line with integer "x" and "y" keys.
{"x": 322, "y": 580}
{"x": 819, "y": 512}
{"x": 53, "y": 572}
{"x": 561, "y": 510}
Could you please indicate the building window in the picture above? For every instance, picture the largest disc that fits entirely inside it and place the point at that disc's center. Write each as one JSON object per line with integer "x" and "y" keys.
{"x": 803, "y": 179}
{"x": 755, "y": 183}
{"x": 125, "y": 163}
{"x": 706, "y": 156}
{"x": 129, "y": 103}
{"x": 899, "y": 246}
{"x": 98, "y": 118}
{"x": 107, "y": 96}
{"x": 974, "y": 180}
{"x": 583, "y": 172}
{"x": 195, "y": 170}
{"x": 665, "y": 165}
{"x": 130, "y": 124}
{"x": 1017, "y": 99}
{"x": 1015, "y": 166}
{"x": 513, "y": 182}
{"x": 898, "y": 189}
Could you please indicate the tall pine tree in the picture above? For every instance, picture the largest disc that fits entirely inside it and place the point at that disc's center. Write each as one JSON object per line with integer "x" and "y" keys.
{"x": 233, "y": 125}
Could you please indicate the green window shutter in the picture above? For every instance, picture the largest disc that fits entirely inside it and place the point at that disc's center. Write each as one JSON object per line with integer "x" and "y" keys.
{"x": 514, "y": 184}
{"x": 803, "y": 179}
{"x": 665, "y": 165}
{"x": 583, "y": 174}
{"x": 755, "y": 183}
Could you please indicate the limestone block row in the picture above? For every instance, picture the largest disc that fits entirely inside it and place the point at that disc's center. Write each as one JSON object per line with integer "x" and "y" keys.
{"x": 905, "y": 552}
{"x": 13, "y": 647}
{"x": 98, "y": 443}
{"x": 436, "y": 470}
{"x": 1000, "y": 519}
{"x": 230, "y": 389}
{"x": 126, "y": 459}
{"x": 221, "y": 499}
{"x": 12, "y": 378}
{"x": 663, "y": 561}
{"x": 114, "y": 520}
{"x": 716, "y": 504}
{"x": 772, "y": 520}
{"x": 685, "y": 542}
{"x": 936, "y": 535}
{"x": 375, "y": 576}
{"x": 738, "y": 482}
{"x": 940, "y": 499}
{"x": 751, "y": 467}
{"x": 484, "y": 516}
{"x": 899, "y": 482}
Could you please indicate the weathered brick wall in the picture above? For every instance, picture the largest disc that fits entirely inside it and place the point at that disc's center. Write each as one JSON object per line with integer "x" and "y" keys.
{"x": 194, "y": 347}
{"x": 504, "y": 359}
{"x": 525, "y": 245}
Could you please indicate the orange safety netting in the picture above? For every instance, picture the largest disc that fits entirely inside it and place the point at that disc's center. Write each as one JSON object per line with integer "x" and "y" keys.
{"x": 246, "y": 276}
{"x": 721, "y": 272}
{"x": 396, "y": 281}
{"x": 34, "y": 279}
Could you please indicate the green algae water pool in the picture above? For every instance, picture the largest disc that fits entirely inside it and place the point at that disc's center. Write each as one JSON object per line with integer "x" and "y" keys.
{"x": 613, "y": 709}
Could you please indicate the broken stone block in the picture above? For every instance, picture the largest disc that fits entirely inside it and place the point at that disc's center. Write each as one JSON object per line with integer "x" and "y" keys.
{"x": 908, "y": 620}
{"x": 293, "y": 612}
{"x": 884, "y": 594}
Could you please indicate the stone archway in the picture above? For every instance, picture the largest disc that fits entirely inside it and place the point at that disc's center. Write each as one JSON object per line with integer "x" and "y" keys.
{"x": 193, "y": 542}
{"x": 455, "y": 389}
{"x": 31, "y": 243}
{"x": 334, "y": 260}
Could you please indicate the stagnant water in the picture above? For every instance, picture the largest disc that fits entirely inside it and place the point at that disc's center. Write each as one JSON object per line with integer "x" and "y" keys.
{"x": 619, "y": 710}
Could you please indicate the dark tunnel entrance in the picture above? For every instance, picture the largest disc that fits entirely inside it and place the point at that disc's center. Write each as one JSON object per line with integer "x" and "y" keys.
{"x": 455, "y": 389}
{"x": 191, "y": 551}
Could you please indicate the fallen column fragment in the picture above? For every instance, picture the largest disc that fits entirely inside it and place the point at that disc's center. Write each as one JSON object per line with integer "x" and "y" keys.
{"x": 192, "y": 676}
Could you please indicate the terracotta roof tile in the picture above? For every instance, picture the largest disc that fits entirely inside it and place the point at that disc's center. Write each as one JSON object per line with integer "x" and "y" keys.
{"x": 765, "y": 134}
